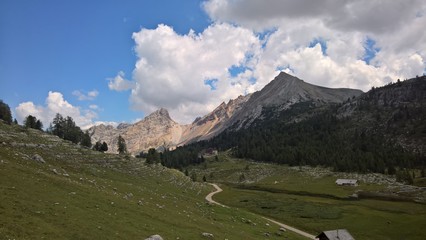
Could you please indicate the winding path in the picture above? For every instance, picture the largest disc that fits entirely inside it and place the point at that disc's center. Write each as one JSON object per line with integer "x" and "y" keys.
{"x": 287, "y": 227}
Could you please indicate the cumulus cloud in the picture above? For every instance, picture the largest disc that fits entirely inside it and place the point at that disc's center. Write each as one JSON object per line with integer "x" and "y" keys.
{"x": 363, "y": 15}
{"x": 345, "y": 28}
{"x": 55, "y": 103}
{"x": 173, "y": 70}
{"x": 118, "y": 83}
{"x": 91, "y": 95}
{"x": 333, "y": 43}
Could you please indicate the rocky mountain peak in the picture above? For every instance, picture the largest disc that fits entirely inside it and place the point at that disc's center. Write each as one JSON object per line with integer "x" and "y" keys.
{"x": 160, "y": 114}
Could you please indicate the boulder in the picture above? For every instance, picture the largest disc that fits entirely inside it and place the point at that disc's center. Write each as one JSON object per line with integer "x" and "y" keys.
{"x": 38, "y": 158}
{"x": 207, "y": 235}
{"x": 154, "y": 237}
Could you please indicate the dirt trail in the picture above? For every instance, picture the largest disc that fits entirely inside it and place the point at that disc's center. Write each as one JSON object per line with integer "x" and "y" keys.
{"x": 287, "y": 227}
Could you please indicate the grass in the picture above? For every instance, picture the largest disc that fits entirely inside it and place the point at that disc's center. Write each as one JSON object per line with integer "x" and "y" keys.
{"x": 313, "y": 203}
{"x": 104, "y": 196}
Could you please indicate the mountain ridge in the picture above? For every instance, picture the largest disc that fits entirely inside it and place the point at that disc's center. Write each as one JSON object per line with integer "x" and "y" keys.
{"x": 159, "y": 130}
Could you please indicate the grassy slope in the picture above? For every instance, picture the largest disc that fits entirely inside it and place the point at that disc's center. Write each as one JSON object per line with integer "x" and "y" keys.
{"x": 312, "y": 203}
{"x": 94, "y": 200}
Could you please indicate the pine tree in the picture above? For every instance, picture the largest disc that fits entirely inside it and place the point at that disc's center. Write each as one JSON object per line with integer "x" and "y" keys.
{"x": 97, "y": 146}
{"x": 152, "y": 156}
{"x": 121, "y": 144}
{"x": 30, "y": 121}
{"x": 5, "y": 113}
{"x": 39, "y": 125}
{"x": 104, "y": 147}
{"x": 85, "y": 140}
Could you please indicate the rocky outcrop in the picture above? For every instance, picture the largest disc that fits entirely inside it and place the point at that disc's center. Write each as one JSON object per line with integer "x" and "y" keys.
{"x": 155, "y": 130}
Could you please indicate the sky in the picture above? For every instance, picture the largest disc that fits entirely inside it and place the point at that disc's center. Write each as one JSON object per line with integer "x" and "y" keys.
{"x": 116, "y": 61}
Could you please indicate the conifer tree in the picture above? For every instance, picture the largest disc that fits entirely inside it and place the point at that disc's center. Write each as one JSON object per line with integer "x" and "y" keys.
{"x": 121, "y": 145}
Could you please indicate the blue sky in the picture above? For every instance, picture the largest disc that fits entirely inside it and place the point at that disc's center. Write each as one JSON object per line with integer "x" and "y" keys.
{"x": 76, "y": 45}
{"x": 114, "y": 61}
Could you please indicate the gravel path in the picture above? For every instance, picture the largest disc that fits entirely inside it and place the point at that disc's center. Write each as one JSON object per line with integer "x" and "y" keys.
{"x": 287, "y": 227}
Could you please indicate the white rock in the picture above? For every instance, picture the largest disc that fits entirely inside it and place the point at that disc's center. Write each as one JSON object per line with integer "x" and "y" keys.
{"x": 154, "y": 237}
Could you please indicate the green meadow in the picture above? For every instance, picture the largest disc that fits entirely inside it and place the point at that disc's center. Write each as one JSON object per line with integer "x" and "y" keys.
{"x": 82, "y": 194}
{"x": 309, "y": 199}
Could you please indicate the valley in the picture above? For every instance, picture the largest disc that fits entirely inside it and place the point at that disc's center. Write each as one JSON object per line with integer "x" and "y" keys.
{"x": 307, "y": 198}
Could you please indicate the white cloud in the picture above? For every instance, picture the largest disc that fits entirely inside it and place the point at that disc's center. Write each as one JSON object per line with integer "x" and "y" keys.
{"x": 322, "y": 42}
{"x": 91, "y": 95}
{"x": 345, "y": 26}
{"x": 55, "y": 103}
{"x": 362, "y": 15}
{"x": 118, "y": 83}
{"x": 172, "y": 69}
{"x": 94, "y": 106}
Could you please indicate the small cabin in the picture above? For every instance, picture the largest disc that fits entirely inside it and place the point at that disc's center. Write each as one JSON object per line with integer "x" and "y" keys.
{"x": 339, "y": 234}
{"x": 347, "y": 182}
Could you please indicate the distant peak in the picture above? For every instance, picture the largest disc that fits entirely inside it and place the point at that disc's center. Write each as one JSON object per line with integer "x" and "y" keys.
{"x": 286, "y": 76}
{"x": 160, "y": 113}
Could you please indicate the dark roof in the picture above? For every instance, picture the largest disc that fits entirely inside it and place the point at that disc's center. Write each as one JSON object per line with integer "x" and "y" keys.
{"x": 339, "y": 234}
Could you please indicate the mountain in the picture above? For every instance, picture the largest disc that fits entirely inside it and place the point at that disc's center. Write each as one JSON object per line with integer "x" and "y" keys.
{"x": 383, "y": 131}
{"x": 283, "y": 92}
{"x": 155, "y": 130}
{"x": 210, "y": 125}
{"x": 158, "y": 130}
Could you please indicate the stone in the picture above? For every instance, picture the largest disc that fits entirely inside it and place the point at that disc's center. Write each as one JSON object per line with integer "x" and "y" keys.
{"x": 207, "y": 235}
{"x": 282, "y": 229}
{"x": 38, "y": 158}
{"x": 154, "y": 237}
{"x": 55, "y": 171}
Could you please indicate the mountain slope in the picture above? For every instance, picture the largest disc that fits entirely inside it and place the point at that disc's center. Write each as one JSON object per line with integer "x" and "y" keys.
{"x": 77, "y": 193}
{"x": 284, "y": 91}
{"x": 213, "y": 123}
{"x": 381, "y": 131}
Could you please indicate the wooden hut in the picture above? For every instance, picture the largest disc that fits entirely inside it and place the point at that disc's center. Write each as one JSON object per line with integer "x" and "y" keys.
{"x": 339, "y": 234}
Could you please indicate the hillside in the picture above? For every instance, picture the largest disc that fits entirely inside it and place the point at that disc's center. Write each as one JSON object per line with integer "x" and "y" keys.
{"x": 53, "y": 189}
{"x": 381, "y": 131}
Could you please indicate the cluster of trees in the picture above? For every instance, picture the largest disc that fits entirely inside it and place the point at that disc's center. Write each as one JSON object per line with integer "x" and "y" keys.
{"x": 65, "y": 128}
{"x": 182, "y": 156}
{"x": 153, "y": 157}
{"x": 32, "y": 122}
{"x": 101, "y": 147}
